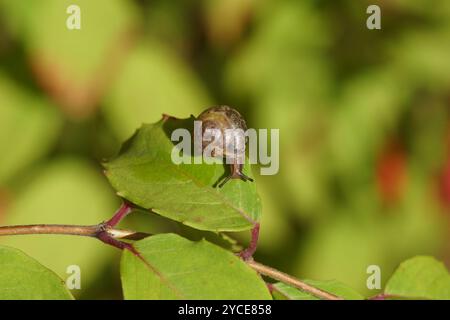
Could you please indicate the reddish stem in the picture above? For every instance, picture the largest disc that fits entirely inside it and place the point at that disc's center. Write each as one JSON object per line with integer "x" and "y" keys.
{"x": 248, "y": 253}
{"x": 382, "y": 296}
{"x": 118, "y": 216}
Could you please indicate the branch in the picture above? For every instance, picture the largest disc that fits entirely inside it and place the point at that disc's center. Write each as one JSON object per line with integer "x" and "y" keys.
{"x": 63, "y": 229}
{"x": 87, "y": 231}
{"x": 106, "y": 233}
{"x": 111, "y": 236}
{"x": 290, "y": 280}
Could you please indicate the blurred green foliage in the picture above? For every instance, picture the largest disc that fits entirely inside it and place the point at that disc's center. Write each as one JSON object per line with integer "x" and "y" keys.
{"x": 363, "y": 117}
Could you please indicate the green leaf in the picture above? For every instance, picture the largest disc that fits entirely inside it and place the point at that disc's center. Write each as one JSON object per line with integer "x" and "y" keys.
{"x": 144, "y": 174}
{"x": 23, "y": 278}
{"x": 176, "y": 268}
{"x": 284, "y": 291}
{"x": 32, "y": 122}
{"x": 421, "y": 277}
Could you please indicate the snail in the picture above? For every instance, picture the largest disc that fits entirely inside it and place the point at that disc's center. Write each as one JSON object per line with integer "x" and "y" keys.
{"x": 223, "y": 118}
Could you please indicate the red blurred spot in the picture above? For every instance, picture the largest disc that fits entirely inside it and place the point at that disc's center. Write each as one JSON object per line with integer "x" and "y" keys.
{"x": 444, "y": 184}
{"x": 444, "y": 176}
{"x": 79, "y": 95}
{"x": 391, "y": 173}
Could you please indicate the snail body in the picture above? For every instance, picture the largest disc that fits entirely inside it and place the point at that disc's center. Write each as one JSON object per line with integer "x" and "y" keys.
{"x": 222, "y": 119}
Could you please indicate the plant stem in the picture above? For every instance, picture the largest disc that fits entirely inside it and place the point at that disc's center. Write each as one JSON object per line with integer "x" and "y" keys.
{"x": 106, "y": 233}
{"x": 248, "y": 253}
{"x": 290, "y": 280}
{"x": 119, "y": 215}
{"x": 385, "y": 296}
{"x": 86, "y": 231}
{"x": 110, "y": 236}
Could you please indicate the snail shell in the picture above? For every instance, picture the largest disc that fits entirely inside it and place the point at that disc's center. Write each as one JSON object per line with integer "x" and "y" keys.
{"x": 233, "y": 144}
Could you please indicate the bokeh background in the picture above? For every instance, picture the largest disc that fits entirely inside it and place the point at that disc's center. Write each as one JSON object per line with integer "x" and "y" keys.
{"x": 363, "y": 116}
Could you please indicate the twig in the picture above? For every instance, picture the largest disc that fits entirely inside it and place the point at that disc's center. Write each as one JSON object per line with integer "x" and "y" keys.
{"x": 290, "y": 280}
{"x": 106, "y": 233}
{"x": 86, "y": 231}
